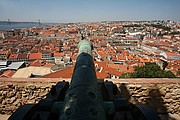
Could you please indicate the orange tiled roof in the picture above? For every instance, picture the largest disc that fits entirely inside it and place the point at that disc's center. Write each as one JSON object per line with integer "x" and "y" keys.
{"x": 101, "y": 75}
{"x": 102, "y": 54}
{"x": 99, "y": 49}
{"x": 7, "y": 74}
{"x": 144, "y": 60}
{"x": 114, "y": 58}
{"x": 164, "y": 43}
{"x": 151, "y": 39}
{"x": 130, "y": 69}
{"x": 54, "y": 29}
{"x": 114, "y": 66}
{"x": 121, "y": 57}
{"x": 123, "y": 68}
{"x": 57, "y": 54}
{"x": 60, "y": 33}
{"x": 47, "y": 33}
{"x": 113, "y": 72}
{"x": 100, "y": 64}
{"x": 36, "y": 63}
{"x": 35, "y": 56}
{"x": 172, "y": 54}
{"x": 4, "y": 52}
{"x": 64, "y": 73}
{"x": 13, "y": 56}
{"x": 140, "y": 64}
{"x": 23, "y": 56}
{"x": 48, "y": 65}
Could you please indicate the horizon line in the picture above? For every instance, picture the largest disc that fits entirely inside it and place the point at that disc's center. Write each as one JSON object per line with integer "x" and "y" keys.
{"x": 92, "y": 21}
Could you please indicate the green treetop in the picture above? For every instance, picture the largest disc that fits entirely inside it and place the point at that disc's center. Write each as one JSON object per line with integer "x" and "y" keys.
{"x": 149, "y": 70}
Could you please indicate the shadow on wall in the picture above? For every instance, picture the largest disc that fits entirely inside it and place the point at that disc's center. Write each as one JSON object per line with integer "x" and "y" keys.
{"x": 125, "y": 91}
{"x": 157, "y": 103}
{"x": 152, "y": 97}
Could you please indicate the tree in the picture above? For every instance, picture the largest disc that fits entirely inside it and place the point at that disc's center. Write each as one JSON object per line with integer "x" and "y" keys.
{"x": 149, "y": 70}
{"x": 169, "y": 74}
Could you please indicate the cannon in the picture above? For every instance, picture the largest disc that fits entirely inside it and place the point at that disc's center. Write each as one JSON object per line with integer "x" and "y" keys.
{"x": 84, "y": 98}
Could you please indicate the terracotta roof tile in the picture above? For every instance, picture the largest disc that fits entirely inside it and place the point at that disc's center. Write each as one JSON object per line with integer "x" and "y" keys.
{"x": 7, "y": 74}
{"x": 100, "y": 64}
{"x": 114, "y": 66}
{"x": 37, "y": 63}
{"x": 64, "y": 73}
{"x": 12, "y": 56}
{"x": 4, "y": 52}
{"x": 114, "y": 58}
{"x": 101, "y": 75}
{"x": 172, "y": 54}
{"x": 121, "y": 57}
{"x": 130, "y": 69}
{"x": 22, "y": 56}
{"x": 123, "y": 68}
{"x": 48, "y": 65}
{"x": 102, "y": 54}
{"x": 35, "y": 56}
{"x": 57, "y": 54}
{"x": 113, "y": 72}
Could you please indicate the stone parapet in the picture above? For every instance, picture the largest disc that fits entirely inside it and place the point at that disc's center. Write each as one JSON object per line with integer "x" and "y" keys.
{"x": 163, "y": 95}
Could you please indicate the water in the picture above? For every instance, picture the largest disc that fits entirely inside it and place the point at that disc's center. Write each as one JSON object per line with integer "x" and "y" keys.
{"x": 23, "y": 25}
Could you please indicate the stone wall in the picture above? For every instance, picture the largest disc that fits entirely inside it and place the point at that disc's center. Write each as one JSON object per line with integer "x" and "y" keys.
{"x": 163, "y": 98}
{"x": 163, "y": 95}
{"x": 14, "y": 95}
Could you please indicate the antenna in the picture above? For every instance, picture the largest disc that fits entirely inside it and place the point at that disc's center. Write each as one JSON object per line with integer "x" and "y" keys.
{"x": 39, "y": 22}
{"x": 9, "y": 22}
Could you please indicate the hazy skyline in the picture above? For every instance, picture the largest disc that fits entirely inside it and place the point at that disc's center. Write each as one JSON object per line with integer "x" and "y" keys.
{"x": 89, "y": 10}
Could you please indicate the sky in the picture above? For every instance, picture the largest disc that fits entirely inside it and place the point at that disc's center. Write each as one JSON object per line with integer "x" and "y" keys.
{"x": 64, "y": 11}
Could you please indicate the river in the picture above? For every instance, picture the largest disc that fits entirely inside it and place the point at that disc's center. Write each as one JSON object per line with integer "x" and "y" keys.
{"x": 23, "y": 25}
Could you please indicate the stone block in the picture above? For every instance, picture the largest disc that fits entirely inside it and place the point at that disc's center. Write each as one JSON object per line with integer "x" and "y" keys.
{"x": 168, "y": 95}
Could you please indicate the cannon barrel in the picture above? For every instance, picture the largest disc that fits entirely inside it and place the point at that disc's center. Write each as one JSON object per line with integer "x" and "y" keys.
{"x": 83, "y": 100}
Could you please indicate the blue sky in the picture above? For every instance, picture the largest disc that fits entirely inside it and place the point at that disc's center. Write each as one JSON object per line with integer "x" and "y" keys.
{"x": 89, "y": 10}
